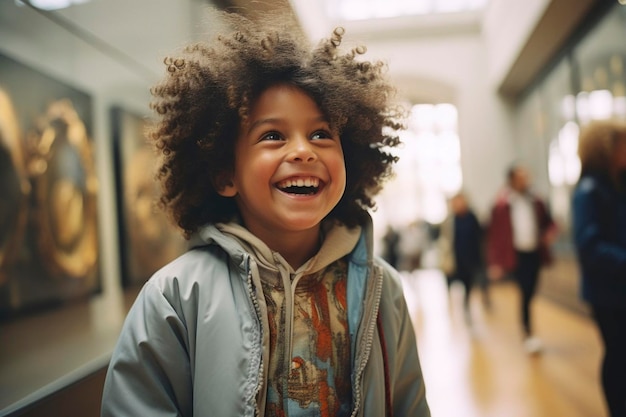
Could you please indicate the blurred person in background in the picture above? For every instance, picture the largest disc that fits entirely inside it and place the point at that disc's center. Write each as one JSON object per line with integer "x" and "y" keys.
{"x": 599, "y": 217}
{"x": 414, "y": 238}
{"x": 520, "y": 234}
{"x": 391, "y": 240}
{"x": 460, "y": 249}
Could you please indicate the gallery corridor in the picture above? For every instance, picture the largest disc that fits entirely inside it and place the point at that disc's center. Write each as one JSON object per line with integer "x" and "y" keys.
{"x": 483, "y": 85}
{"x": 480, "y": 369}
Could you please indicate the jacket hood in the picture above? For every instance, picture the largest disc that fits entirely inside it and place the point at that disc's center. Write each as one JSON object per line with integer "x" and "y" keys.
{"x": 337, "y": 241}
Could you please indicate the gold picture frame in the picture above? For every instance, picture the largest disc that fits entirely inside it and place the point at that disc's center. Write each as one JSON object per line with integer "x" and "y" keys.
{"x": 49, "y": 247}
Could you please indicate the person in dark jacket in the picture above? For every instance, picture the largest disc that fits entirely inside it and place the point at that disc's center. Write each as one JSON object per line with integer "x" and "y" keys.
{"x": 462, "y": 260}
{"x": 599, "y": 221}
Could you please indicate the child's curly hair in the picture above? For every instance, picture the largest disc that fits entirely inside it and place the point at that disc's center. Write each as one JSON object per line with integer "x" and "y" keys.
{"x": 209, "y": 89}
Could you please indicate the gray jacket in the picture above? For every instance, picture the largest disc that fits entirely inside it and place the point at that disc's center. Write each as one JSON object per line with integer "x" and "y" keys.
{"x": 200, "y": 317}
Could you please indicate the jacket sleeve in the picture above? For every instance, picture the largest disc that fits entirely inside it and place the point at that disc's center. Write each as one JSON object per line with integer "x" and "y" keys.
{"x": 547, "y": 222}
{"x": 595, "y": 251}
{"x": 149, "y": 373}
{"x": 408, "y": 394}
{"x": 499, "y": 234}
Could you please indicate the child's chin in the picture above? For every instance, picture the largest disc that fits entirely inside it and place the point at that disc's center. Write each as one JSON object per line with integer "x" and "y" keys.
{"x": 303, "y": 224}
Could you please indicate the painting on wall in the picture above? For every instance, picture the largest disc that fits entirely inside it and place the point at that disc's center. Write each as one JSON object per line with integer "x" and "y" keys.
{"x": 147, "y": 238}
{"x": 49, "y": 250}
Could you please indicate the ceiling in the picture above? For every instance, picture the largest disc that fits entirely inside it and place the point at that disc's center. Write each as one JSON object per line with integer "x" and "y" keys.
{"x": 111, "y": 45}
{"x": 118, "y": 45}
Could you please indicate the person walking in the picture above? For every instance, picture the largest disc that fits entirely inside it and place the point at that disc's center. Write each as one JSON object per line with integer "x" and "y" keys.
{"x": 520, "y": 234}
{"x": 460, "y": 245}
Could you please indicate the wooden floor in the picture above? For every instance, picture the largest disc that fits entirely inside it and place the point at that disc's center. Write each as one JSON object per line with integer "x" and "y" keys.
{"x": 481, "y": 369}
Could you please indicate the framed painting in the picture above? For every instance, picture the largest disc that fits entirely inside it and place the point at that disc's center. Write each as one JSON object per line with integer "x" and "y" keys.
{"x": 147, "y": 238}
{"x": 49, "y": 251}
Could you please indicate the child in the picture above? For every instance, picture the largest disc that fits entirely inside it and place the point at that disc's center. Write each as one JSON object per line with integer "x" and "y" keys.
{"x": 271, "y": 155}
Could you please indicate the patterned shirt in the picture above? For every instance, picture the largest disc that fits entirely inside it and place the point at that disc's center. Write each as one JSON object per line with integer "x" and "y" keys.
{"x": 309, "y": 373}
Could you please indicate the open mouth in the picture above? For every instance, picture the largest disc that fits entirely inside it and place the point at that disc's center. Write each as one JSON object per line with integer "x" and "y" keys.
{"x": 300, "y": 186}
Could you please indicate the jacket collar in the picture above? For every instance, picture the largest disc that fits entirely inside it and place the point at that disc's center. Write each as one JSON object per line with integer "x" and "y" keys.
{"x": 338, "y": 241}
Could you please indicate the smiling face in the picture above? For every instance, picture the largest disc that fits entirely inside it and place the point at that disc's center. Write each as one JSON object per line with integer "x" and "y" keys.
{"x": 289, "y": 168}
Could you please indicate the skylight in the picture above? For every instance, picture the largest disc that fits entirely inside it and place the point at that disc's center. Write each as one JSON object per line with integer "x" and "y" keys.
{"x": 52, "y": 4}
{"x": 374, "y": 9}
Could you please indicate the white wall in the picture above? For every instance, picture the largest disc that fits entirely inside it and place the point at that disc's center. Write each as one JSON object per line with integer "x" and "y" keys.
{"x": 507, "y": 24}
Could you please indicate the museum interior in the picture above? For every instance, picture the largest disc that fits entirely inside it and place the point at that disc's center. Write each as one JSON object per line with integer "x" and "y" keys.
{"x": 486, "y": 83}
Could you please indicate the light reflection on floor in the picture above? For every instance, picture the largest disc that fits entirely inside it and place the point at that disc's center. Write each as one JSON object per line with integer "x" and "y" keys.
{"x": 480, "y": 369}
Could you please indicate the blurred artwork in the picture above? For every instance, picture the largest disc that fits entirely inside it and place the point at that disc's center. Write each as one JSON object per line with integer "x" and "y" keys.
{"x": 147, "y": 238}
{"x": 48, "y": 192}
{"x": 64, "y": 192}
{"x": 14, "y": 187}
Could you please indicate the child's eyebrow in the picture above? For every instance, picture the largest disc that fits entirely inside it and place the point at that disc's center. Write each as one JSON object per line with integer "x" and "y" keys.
{"x": 259, "y": 122}
{"x": 272, "y": 120}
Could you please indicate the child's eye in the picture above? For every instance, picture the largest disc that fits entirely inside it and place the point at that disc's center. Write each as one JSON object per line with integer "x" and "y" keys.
{"x": 321, "y": 134}
{"x": 271, "y": 136}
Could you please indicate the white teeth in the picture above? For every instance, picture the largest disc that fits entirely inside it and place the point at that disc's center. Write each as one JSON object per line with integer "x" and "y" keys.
{"x": 300, "y": 182}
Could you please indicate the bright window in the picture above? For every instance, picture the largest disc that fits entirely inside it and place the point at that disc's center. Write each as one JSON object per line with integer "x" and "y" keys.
{"x": 52, "y": 4}
{"x": 373, "y": 9}
{"x": 429, "y": 169}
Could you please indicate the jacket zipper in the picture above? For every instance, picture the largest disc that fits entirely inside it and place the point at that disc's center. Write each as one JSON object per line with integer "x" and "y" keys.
{"x": 257, "y": 309}
{"x": 369, "y": 338}
{"x": 289, "y": 288}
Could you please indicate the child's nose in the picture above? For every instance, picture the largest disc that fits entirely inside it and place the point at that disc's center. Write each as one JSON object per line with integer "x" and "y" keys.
{"x": 302, "y": 151}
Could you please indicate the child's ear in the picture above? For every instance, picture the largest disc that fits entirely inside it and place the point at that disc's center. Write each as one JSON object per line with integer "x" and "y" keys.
{"x": 224, "y": 186}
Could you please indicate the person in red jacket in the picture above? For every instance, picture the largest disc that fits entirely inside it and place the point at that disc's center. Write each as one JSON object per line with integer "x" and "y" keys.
{"x": 520, "y": 233}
